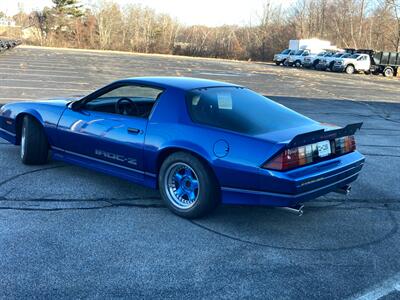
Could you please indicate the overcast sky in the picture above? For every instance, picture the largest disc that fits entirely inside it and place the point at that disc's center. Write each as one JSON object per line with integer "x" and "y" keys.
{"x": 207, "y": 12}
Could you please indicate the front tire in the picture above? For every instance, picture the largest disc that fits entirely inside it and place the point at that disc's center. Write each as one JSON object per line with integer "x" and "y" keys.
{"x": 350, "y": 69}
{"x": 187, "y": 186}
{"x": 34, "y": 144}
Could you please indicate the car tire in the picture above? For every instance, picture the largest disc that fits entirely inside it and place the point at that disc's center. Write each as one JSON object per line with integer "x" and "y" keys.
{"x": 388, "y": 72}
{"x": 277, "y": 63}
{"x": 297, "y": 64}
{"x": 34, "y": 144}
{"x": 188, "y": 187}
{"x": 349, "y": 69}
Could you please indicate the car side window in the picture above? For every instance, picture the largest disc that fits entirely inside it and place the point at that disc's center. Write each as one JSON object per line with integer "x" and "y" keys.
{"x": 130, "y": 100}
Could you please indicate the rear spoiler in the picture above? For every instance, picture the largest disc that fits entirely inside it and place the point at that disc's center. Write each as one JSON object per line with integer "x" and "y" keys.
{"x": 321, "y": 135}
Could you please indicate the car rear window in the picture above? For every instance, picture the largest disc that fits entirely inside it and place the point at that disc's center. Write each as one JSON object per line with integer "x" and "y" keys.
{"x": 240, "y": 110}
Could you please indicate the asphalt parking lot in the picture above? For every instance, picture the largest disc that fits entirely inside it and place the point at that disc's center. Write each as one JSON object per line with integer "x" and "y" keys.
{"x": 69, "y": 232}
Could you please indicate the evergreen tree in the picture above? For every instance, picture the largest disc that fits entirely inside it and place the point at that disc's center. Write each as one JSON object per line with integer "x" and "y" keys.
{"x": 68, "y": 8}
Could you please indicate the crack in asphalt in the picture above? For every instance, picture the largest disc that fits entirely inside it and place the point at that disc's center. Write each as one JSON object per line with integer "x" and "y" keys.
{"x": 379, "y": 146}
{"x": 392, "y": 232}
{"x": 27, "y": 173}
{"x": 111, "y": 205}
{"x": 3, "y": 198}
{"x": 380, "y": 129}
{"x": 380, "y": 155}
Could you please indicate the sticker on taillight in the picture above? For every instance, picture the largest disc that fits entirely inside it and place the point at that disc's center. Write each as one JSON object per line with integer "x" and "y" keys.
{"x": 324, "y": 148}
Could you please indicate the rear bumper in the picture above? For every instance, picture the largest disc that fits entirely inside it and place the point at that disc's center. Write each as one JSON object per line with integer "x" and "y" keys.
{"x": 296, "y": 187}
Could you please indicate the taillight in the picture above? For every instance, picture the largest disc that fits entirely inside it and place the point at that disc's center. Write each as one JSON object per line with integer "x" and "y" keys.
{"x": 304, "y": 155}
{"x": 345, "y": 144}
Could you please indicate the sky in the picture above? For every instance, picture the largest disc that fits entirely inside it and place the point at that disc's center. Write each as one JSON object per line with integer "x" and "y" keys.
{"x": 190, "y": 12}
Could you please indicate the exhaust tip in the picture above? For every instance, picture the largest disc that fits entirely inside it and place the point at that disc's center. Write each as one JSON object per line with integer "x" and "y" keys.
{"x": 345, "y": 190}
{"x": 297, "y": 210}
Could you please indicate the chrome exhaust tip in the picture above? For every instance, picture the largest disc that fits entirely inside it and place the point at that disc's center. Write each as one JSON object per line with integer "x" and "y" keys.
{"x": 345, "y": 190}
{"x": 297, "y": 210}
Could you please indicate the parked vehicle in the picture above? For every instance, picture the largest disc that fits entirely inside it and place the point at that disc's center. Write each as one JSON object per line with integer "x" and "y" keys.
{"x": 200, "y": 142}
{"x": 354, "y": 63}
{"x": 297, "y": 58}
{"x": 368, "y": 61}
{"x": 327, "y": 62}
{"x": 282, "y": 57}
{"x": 312, "y": 60}
{"x": 386, "y": 63}
{"x": 312, "y": 46}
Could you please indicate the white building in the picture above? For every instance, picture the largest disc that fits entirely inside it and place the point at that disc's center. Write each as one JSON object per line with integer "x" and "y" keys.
{"x": 7, "y": 22}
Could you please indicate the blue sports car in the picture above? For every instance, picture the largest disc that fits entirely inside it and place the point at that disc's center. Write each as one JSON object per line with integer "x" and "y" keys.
{"x": 200, "y": 142}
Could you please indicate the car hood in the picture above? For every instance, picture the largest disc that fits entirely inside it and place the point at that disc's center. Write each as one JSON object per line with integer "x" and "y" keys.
{"x": 346, "y": 60}
{"x": 59, "y": 101}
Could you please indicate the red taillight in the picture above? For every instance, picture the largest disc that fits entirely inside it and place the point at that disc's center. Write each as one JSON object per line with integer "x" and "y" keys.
{"x": 345, "y": 144}
{"x": 303, "y": 155}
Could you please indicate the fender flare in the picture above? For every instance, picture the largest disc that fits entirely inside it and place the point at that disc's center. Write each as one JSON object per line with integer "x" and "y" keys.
{"x": 18, "y": 121}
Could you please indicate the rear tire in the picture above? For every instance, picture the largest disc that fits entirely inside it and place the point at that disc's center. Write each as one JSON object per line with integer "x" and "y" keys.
{"x": 297, "y": 64}
{"x": 34, "y": 144}
{"x": 388, "y": 72}
{"x": 187, "y": 186}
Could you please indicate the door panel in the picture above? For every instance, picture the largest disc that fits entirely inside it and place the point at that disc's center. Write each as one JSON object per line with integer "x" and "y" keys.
{"x": 115, "y": 140}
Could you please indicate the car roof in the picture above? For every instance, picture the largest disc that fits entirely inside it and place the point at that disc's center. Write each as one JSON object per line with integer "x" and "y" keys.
{"x": 183, "y": 83}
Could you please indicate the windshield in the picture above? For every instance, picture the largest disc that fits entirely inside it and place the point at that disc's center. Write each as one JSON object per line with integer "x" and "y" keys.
{"x": 240, "y": 110}
{"x": 355, "y": 56}
{"x": 286, "y": 51}
{"x": 299, "y": 52}
{"x": 347, "y": 55}
{"x": 321, "y": 54}
{"x": 329, "y": 54}
{"x": 338, "y": 55}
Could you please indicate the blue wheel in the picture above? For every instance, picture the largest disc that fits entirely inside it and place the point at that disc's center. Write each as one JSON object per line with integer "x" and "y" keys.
{"x": 187, "y": 185}
{"x": 183, "y": 185}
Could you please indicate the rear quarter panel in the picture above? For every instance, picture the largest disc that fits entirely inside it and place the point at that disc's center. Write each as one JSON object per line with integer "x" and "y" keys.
{"x": 171, "y": 128}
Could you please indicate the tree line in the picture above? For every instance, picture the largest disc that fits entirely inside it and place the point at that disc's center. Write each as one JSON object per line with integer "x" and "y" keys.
{"x": 368, "y": 24}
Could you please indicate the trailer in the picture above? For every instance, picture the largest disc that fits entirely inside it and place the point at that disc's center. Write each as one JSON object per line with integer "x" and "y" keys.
{"x": 386, "y": 63}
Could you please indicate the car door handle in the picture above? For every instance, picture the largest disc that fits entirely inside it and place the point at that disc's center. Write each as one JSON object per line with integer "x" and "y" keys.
{"x": 134, "y": 130}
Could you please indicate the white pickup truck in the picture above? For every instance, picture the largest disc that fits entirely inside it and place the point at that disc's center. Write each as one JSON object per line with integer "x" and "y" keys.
{"x": 297, "y": 58}
{"x": 328, "y": 61}
{"x": 355, "y": 63}
{"x": 281, "y": 58}
{"x": 312, "y": 60}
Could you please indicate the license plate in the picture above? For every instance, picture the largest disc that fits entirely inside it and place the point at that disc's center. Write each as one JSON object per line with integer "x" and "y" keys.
{"x": 324, "y": 148}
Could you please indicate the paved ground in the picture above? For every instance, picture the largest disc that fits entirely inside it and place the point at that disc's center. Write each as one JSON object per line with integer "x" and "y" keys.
{"x": 69, "y": 232}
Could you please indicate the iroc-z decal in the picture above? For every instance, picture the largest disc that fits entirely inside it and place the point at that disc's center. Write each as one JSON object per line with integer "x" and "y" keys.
{"x": 117, "y": 157}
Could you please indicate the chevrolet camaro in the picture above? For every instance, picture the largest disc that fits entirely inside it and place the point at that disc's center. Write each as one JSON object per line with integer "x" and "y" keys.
{"x": 200, "y": 142}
